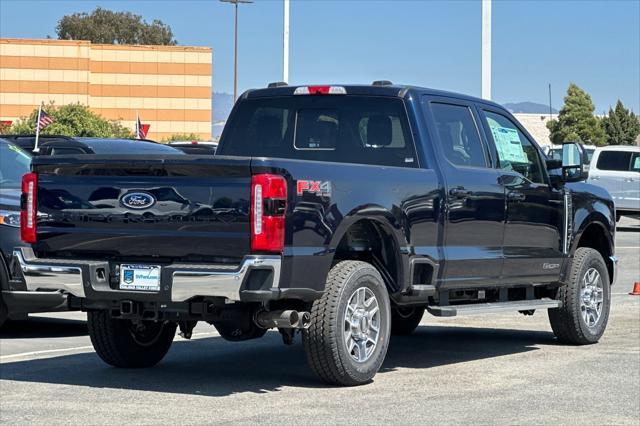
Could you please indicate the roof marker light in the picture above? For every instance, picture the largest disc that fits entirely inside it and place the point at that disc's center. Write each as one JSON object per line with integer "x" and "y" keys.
{"x": 320, "y": 90}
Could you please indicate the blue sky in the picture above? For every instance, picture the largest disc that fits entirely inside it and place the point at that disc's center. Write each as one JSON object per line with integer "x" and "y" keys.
{"x": 595, "y": 44}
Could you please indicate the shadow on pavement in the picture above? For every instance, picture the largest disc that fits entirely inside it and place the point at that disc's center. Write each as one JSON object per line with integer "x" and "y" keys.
{"x": 37, "y": 327}
{"x": 213, "y": 367}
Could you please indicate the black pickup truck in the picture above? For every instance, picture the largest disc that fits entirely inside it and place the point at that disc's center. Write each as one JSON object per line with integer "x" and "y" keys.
{"x": 341, "y": 212}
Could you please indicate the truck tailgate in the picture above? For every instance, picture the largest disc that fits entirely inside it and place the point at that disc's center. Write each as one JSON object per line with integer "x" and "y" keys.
{"x": 173, "y": 208}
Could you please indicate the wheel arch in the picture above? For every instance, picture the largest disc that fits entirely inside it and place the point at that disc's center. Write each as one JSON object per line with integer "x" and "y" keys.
{"x": 594, "y": 234}
{"x": 377, "y": 241}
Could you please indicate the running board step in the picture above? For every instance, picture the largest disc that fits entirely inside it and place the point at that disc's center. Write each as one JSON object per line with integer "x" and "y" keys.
{"x": 483, "y": 308}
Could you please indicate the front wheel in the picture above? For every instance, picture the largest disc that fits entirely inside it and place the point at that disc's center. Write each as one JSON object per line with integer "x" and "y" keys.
{"x": 127, "y": 344}
{"x": 348, "y": 338}
{"x": 586, "y": 299}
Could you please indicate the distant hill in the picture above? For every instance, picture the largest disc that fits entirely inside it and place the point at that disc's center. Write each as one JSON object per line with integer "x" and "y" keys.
{"x": 221, "y": 104}
{"x": 529, "y": 108}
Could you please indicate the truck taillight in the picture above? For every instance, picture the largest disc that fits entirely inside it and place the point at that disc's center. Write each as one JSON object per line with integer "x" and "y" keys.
{"x": 268, "y": 208}
{"x": 29, "y": 208}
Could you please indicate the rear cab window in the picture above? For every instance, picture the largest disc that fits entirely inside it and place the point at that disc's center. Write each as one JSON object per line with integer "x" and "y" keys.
{"x": 370, "y": 130}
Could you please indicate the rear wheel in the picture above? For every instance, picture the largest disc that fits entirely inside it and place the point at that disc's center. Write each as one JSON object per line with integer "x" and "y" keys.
{"x": 348, "y": 338}
{"x": 405, "y": 320}
{"x": 127, "y": 344}
{"x": 586, "y": 299}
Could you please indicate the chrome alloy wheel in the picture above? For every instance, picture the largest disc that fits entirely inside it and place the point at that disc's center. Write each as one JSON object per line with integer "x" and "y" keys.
{"x": 591, "y": 297}
{"x": 362, "y": 324}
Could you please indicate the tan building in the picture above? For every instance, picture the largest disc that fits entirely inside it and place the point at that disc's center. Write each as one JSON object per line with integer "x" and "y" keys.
{"x": 169, "y": 86}
{"x": 536, "y": 124}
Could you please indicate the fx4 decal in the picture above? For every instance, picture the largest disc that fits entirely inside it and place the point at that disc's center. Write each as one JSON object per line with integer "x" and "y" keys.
{"x": 314, "y": 187}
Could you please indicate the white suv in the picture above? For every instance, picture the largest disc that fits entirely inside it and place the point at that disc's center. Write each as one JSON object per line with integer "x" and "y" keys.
{"x": 617, "y": 168}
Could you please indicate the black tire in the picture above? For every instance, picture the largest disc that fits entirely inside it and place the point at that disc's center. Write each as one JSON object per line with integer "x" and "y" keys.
{"x": 324, "y": 341}
{"x": 567, "y": 322}
{"x": 121, "y": 344}
{"x": 404, "y": 321}
{"x": 4, "y": 312}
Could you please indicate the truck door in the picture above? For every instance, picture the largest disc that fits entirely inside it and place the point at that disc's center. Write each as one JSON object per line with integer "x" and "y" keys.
{"x": 475, "y": 201}
{"x": 533, "y": 236}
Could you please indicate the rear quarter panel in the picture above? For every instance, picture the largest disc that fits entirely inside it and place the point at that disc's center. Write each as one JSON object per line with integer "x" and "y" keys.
{"x": 405, "y": 201}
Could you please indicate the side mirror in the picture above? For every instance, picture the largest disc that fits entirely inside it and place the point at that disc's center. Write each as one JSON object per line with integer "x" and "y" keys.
{"x": 575, "y": 162}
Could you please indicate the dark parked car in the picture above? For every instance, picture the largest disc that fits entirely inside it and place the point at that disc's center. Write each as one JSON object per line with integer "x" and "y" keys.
{"x": 65, "y": 145}
{"x": 339, "y": 211}
{"x": 14, "y": 163}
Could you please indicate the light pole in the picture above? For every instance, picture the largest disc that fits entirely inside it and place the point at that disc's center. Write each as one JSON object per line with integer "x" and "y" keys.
{"x": 235, "y": 46}
{"x": 486, "y": 49}
{"x": 285, "y": 43}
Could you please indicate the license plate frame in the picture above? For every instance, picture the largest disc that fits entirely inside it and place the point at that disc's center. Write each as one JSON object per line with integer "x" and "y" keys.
{"x": 138, "y": 277}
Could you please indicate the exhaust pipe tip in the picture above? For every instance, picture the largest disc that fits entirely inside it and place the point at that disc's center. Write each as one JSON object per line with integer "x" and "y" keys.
{"x": 305, "y": 320}
{"x": 283, "y": 319}
{"x": 292, "y": 317}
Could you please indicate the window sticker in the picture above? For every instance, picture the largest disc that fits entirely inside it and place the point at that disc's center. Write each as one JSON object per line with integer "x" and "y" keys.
{"x": 508, "y": 143}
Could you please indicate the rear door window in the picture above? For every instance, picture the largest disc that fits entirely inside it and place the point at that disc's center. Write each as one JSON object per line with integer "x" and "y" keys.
{"x": 458, "y": 134}
{"x": 614, "y": 161}
{"x": 346, "y": 129}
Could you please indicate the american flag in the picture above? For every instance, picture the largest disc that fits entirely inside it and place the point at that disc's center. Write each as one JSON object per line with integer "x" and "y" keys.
{"x": 44, "y": 120}
{"x": 141, "y": 129}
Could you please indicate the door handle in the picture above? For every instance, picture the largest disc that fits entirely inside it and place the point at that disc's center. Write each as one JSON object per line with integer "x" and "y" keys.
{"x": 459, "y": 192}
{"x": 516, "y": 196}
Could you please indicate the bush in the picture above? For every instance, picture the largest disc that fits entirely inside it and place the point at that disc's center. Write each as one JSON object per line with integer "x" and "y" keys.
{"x": 71, "y": 120}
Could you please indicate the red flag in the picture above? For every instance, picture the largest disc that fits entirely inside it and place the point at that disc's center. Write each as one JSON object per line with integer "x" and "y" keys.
{"x": 141, "y": 129}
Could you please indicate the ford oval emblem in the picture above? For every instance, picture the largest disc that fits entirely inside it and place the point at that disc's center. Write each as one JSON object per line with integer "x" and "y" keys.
{"x": 138, "y": 200}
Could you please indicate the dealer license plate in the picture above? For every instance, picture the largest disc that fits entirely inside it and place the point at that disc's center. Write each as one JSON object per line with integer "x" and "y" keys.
{"x": 140, "y": 277}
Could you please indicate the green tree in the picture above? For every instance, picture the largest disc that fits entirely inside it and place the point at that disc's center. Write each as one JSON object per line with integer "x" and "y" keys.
{"x": 108, "y": 27}
{"x": 576, "y": 122}
{"x": 621, "y": 126}
{"x": 71, "y": 120}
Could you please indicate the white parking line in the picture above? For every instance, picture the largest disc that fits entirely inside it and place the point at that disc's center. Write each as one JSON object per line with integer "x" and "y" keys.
{"x": 36, "y": 354}
{"x": 46, "y": 352}
{"x": 628, "y": 247}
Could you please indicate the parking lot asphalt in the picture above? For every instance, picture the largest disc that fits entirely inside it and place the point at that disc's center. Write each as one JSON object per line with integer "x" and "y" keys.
{"x": 504, "y": 369}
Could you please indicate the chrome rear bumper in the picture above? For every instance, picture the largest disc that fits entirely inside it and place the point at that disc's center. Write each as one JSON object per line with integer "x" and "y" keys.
{"x": 180, "y": 282}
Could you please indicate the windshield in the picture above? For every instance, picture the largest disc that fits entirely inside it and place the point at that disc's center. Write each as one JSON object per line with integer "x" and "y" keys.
{"x": 13, "y": 164}
{"x": 590, "y": 152}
